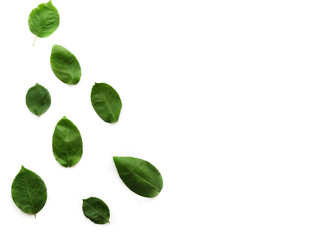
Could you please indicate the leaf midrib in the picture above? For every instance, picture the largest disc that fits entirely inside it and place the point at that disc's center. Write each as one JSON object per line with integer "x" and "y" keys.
{"x": 106, "y": 103}
{"x": 30, "y": 198}
{"x": 67, "y": 148}
{"x": 44, "y": 19}
{"x": 159, "y": 190}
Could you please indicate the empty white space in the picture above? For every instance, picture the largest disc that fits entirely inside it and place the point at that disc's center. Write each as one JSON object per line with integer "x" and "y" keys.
{"x": 218, "y": 95}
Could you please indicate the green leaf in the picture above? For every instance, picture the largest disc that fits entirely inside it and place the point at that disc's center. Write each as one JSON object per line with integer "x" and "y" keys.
{"x": 29, "y": 191}
{"x": 38, "y": 100}
{"x": 96, "y": 210}
{"x": 139, "y": 176}
{"x": 43, "y": 20}
{"x": 67, "y": 143}
{"x": 65, "y": 65}
{"x": 106, "y": 102}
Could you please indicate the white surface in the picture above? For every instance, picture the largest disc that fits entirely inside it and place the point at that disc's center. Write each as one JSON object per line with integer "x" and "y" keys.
{"x": 218, "y": 95}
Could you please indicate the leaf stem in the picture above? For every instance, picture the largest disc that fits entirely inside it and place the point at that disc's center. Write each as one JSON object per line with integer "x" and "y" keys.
{"x": 35, "y": 40}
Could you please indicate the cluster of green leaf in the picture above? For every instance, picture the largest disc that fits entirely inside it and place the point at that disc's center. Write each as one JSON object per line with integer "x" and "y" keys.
{"x": 28, "y": 190}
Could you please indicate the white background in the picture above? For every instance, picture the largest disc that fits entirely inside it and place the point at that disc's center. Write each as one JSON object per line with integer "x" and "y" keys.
{"x": 218, "y": 95}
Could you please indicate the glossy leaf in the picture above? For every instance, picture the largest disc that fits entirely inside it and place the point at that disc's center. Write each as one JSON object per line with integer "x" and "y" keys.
{"x": 29, "y": 191}
{"x": 139, "y": 176}
{"x": 96, "y": 210}
{"x": 38, "y": 100}
{"x": 65, "y": 65}
{"x": 43, "y": 20}
{"x": 106, "y": 102}
{"x": 67, "y": 143}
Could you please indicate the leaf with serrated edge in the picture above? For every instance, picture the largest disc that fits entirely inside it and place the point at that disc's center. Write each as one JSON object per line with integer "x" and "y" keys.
{"x": 139, "y": 176}
{"x": 43, "y": 20}
{"x": 67, "y": 143}
{"x": 96, "y": 210}
{"x": 106, "y": 102}
{"x": 38, "y": 100}
{"x": 29, "y": 191}
{"x": 65, "y": 65}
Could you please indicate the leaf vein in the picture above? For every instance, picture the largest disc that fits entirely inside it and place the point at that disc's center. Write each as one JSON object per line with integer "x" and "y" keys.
{"x": 97, "y": 211}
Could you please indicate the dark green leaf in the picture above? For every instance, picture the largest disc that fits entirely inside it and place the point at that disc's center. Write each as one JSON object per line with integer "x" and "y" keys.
{"x": 44, "y": 20}
{"x": 106, "y": 102}
{"x": 65, "y": 65}
{"x": 38, "y": 100}
{"x": 67, "y": 143}
{"x": 29, "y": 191}
{"x": 139, "y": 176}
{"x": 96, "y": 210}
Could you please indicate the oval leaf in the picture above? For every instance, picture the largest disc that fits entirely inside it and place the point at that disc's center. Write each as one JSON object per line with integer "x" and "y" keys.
{"x": 29, "y": 191}
{"x": 106, "y": 102}
{"x": 139, "y": 176}
{"x": 38, "y": 100}
{"x": 65, "y": 65}
{"x": 43, "y": 20}
{"x": 96, "y": 210}
{"x": 67, "y": 143}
